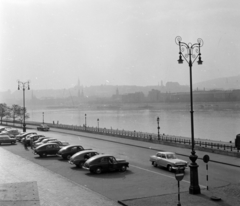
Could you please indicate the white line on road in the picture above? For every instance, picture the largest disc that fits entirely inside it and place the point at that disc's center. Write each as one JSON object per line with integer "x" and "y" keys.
{"x": 163, "y": 174}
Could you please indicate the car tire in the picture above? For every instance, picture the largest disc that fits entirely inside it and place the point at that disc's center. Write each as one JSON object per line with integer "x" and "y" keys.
{"x": 155, "y": 164}
{"x": 68, "y": 157}
{"x": 92, "y": 171}
{"x": 169, "y": 167}
{"x": 123, "y": 168}
{"x": 98, "y": 170}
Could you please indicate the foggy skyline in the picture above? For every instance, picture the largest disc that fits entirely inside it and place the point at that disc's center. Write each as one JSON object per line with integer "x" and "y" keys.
{"x": 53, "y": 43}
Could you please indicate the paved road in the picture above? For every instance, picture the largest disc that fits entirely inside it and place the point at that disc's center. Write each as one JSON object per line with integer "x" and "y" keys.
{"x": 141, "y": 180}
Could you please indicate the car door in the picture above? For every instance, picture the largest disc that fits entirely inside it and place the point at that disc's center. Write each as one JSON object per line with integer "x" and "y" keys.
{"x": 55, "y": 149}
{"x": 104, "y": 163}
{"x": 161, "y": 159}
{"x": 164, "y": 160}
{"x": 112, "y": 162}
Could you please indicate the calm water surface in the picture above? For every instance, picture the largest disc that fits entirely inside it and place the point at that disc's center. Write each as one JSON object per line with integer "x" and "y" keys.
{"x": 217, "y": 125}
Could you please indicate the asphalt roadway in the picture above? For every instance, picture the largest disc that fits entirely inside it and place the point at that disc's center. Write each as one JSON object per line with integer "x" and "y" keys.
{"x": 142, "y": 184}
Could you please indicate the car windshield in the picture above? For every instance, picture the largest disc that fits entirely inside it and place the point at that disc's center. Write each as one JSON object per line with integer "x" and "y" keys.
{"x": 171, "y": 156}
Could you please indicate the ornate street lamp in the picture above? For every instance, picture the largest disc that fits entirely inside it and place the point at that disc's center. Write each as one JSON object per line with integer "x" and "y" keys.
{"x": 158, "y": 119}
{"x": 98, "y": 124}
{"x": 43, "y": 117}
{"x": 190, "y": 52}
{"x": 22, "y": 85}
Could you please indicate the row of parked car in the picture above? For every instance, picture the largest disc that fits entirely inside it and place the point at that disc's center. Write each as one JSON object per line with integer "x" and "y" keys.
{"x": 89, "y": 159}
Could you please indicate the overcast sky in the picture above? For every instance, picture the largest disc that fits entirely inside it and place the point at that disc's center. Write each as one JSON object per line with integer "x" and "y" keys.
{"x": 53, "y": 43}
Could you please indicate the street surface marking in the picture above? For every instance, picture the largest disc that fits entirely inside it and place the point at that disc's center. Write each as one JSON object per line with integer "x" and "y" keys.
{"x": 163, "y": 174}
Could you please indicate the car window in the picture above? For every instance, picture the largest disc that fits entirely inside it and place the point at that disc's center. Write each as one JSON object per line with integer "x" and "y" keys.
{"x": 163, "y": 156}
{"x": 80, "y": 148}
{"x": 49, "y": 146}
{"x": 112, "y": 160}
{"x": 74, "y": 148}
{"x": 159, "y": 155}
{"x": 104, "y": 160}
{"x": 171, "y": 156}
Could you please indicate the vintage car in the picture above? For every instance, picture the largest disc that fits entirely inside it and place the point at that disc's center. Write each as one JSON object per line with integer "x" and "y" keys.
{"x": 168, "y": 160}
{"x": 5, "y": 138}
{"x": 44, "y": 141}
{"x": 33, "y": 137}
{"x": 43, "y": 127}
{"x": 80, "y": 158}
{"x": 105, "y": 162}
{"x": 68, "y": 151}
{"x": 11, "y": 131}
{"x": 59, "y": 142}
{"x": 22, "y": 135}
{"x": 46, "y": 149}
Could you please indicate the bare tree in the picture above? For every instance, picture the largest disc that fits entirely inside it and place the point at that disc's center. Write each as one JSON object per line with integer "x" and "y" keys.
{"x": 4, "y": 111}
{"x": 15, "y": 112}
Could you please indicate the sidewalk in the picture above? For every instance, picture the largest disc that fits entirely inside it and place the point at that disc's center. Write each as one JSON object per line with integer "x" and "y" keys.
{"x": 51, "y": 188}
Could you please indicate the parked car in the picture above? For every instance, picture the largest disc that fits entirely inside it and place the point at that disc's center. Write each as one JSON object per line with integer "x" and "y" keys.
{"x": 44, "y": 141}
{"x": 68, "y": 151}
{"x": 60, "y": 143}
{"x": 105, "y": 162}
{"x": 5, "y": 138}
{"x": 46, "y": 149}
{"x": 22, "y": 135}
{"x": 11, "y": 131}
{"x": 80, "y": 158}
{"x": 168, "y": 160}
{"x": 33, "y": 137}
{"x": 43, "y": 127}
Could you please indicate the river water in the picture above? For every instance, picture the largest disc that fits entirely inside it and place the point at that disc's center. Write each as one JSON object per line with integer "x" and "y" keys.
{"x": 212, "y": 123}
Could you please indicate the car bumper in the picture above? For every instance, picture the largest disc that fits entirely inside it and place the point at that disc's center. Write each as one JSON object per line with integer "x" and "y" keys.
{"x": 86, "y": 168}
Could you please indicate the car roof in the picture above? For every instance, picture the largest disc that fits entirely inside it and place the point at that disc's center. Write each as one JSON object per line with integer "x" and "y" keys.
{"x": 72, "y": 145}
{"x": 47, "y": 144}
{"x": 166, "y": 152}
{"x": 100, "y": 156}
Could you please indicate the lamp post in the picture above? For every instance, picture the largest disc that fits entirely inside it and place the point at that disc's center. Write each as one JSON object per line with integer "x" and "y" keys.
{"x": 158, "y": 119}
{"x": 98, "y": 124}
{"x": 43, "y": 117}
{"x": 85, "y": 121}
{"x": 22, "y": 85}
{"x": 187, "y": 52}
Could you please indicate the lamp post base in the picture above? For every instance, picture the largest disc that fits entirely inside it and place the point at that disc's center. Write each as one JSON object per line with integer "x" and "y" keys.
{"x": 194, "y": 186}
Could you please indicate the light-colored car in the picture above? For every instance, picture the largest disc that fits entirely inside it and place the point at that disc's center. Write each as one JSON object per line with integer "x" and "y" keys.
{"x": 43, "y": 142}
{"x": 168, "y": 160}
{"x": 60, "y": 143}
{"x": 80, "y": 158}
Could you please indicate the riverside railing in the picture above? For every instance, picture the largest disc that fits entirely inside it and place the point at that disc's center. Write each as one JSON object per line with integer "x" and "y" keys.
{"x": 150, "y": 137}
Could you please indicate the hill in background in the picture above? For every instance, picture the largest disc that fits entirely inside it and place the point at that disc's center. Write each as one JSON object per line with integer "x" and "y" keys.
{"x": 225, "y": 83}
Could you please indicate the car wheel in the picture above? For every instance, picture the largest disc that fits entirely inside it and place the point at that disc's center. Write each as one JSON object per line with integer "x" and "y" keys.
{"x": 98, "y": 170}
{"x": 123, "y": 168}
{"x": 169, "y": 168}
{"x": 92, "y": 171}
{"x": 68, "y": 157}
{"x": 12, "y": 142}
{"x": 155, "y": 164}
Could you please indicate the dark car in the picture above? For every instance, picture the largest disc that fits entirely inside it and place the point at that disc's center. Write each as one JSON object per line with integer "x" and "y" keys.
{"x": 46, "y": 149}
{"x": 104, "y": 162}
{"x": 68, "y": 151}
{"x": 80, "y": 158}
{"x": 43, "y": 127}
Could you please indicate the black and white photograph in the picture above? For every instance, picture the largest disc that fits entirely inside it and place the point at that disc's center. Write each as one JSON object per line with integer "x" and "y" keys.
{"x": 119, "y": 102}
